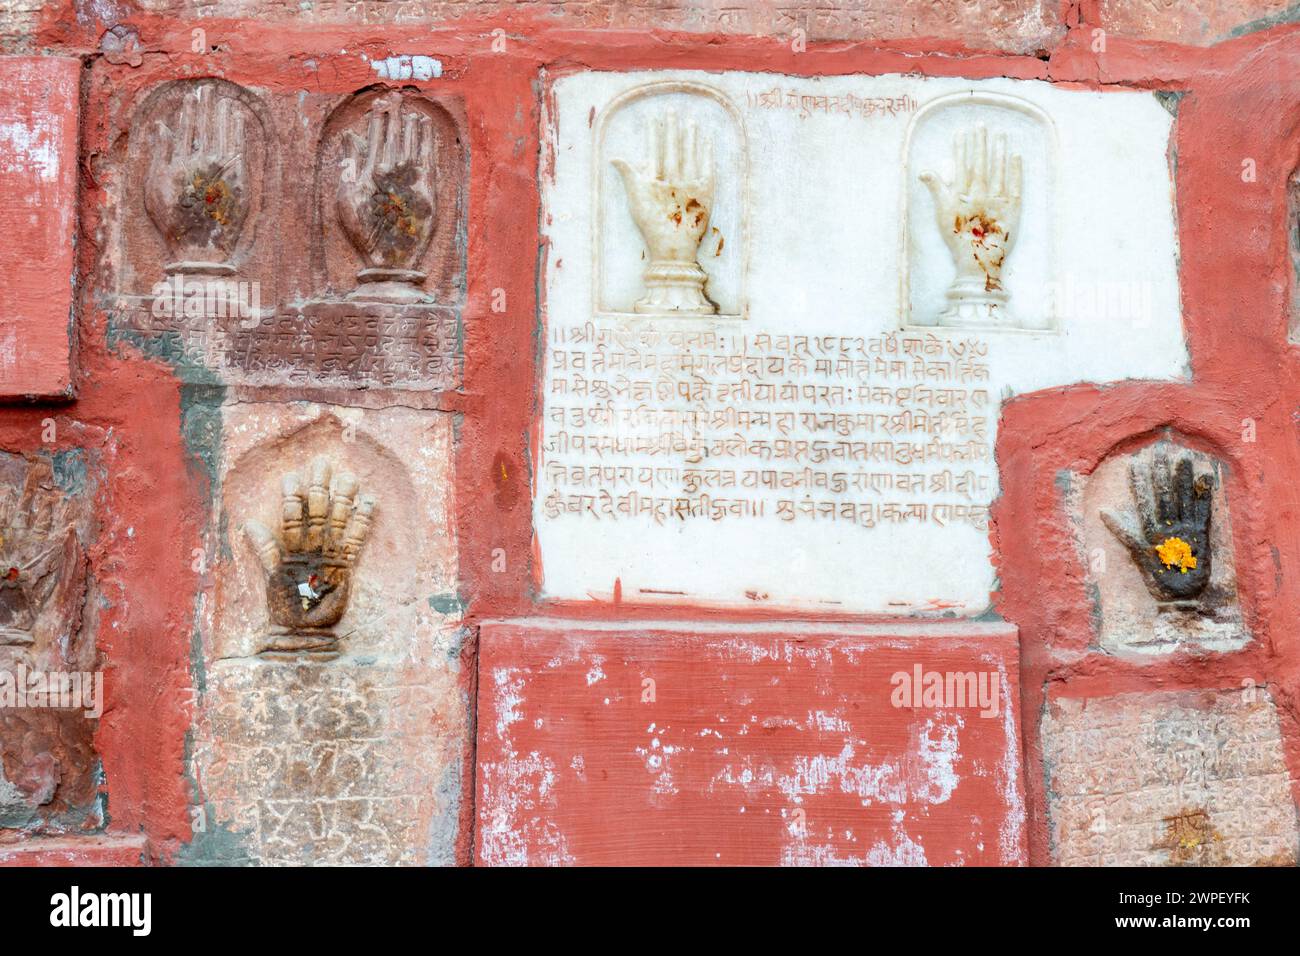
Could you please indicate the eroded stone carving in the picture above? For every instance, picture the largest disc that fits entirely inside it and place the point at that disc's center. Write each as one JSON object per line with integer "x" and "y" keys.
{"x": 978, "y": 215}
{"x": 196, "y": 193}
{"x": 38, "y": 547}
{"x": 1169, "y": 539}
{"x": 386, "y": 197}
{"x": 309, "y": 568}
{"x": 670, "y": 196}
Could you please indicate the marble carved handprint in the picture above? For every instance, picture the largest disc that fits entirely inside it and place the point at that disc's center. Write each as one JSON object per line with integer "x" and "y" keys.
{"x": 670, "y": 197}
{"x": 978, "y": 215}
{"x": 196, "y": 193}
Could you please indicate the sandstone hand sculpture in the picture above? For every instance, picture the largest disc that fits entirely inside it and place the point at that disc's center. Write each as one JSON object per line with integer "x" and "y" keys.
{"x": 1170, "y": 539}
{"x": 978, "y": 214}
{"x": 670, "y": 198}
{"x": 33, "y": 555}
{"x": 309, "y": 568}
{"x": 386, "y": 195}
{"x": 196, "y": 192}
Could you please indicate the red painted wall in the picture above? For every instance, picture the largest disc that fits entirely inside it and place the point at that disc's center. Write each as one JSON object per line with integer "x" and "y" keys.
{"x": 1238, "y": 101}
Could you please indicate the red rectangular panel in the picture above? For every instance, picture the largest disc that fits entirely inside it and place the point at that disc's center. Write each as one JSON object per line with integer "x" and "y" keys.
{"x": 38, "y": 220}
{"x": 748, "y": 745}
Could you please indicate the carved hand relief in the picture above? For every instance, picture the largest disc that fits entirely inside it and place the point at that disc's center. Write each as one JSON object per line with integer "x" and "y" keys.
{"x": 386, "y": 196}
{"x": 309, "y": 567}
{"x": 1157, "y": 544}
{"x": 982, "y": 215}
{"x": 669, "y": 195}
{"x": 978, "y": 215}
{"x": 196, "y": 193}
{"x": 37, "y": 549}
{"x": 1169, "y": 540}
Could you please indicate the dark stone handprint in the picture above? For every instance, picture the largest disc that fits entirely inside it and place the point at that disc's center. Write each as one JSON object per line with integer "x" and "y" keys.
{"x": 1169, "y": 540}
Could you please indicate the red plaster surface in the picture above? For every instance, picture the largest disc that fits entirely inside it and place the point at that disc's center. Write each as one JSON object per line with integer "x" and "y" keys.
{"x": 1238, "y": 102}
{"x": 760, "y": 747}
{"x": 39, "y": 106}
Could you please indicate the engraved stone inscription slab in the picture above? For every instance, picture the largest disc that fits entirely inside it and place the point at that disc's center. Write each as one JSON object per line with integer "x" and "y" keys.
{"x": 782, "y": 315}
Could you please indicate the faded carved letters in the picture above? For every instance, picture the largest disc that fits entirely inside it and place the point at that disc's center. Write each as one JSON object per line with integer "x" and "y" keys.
{"x": 671, "y": 426}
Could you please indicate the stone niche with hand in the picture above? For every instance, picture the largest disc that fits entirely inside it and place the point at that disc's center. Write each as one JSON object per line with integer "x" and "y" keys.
{"x": 309, "y": 565}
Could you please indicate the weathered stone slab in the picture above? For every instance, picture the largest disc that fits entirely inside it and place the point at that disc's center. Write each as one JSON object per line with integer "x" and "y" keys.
{"x": 1193, "y": 21}
{"x": 51, "y": 685}
{"x": 199, "y": 272}
{"x": 788, "y": 310}
{"x": 335, "y": 344}
{"x": 748, "y": 745}
{"x": 1022, "y": 25}
{"x": 1169, "y": 778}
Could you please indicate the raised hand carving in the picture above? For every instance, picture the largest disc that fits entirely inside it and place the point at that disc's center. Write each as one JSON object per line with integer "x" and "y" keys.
{"x": 36, "y": 548}
{"x": 670, "y": 198}
{"x": 196, "y": 193}
{"x": 309, "y": 568}
{"x": 978, "y": 214}
{"x": 1169, "y": 540}
{"x": 386, "y": 194}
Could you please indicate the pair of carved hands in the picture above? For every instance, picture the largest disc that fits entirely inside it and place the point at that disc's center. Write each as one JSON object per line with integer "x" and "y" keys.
{"x": 309, "y": 566}
{"x": 1169, "y": 538}
{"x": 196, "y": 193}
{"x": 671, "y": 194}
{"x": 978, "y": 211}
{"x": 386, "y": 194}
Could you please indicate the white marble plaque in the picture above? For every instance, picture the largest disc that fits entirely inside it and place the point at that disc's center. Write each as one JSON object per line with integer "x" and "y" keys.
{"x": 781, "y": 316}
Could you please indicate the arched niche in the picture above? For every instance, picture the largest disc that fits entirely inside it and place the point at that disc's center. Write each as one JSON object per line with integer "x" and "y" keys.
{"x": 385, "y": 588}
{"x": 626, "y": 132}
{"x": 336, "y": 261}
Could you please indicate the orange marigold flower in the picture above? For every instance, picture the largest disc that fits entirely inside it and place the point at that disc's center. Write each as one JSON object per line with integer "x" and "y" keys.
{"x": 1176, "y": 553}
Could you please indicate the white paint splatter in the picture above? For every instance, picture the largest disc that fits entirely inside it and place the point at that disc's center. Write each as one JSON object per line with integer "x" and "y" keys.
{"x": 26, "y": 147}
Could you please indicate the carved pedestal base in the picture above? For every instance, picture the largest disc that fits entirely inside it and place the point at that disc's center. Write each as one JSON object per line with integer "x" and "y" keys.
{"x": 390, "y": 285}
{"x": 972, "y": 305}
{"x": 675, "y": 287}
{"x": 1180, "y": 607}
{"x": 307, "y": 643}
